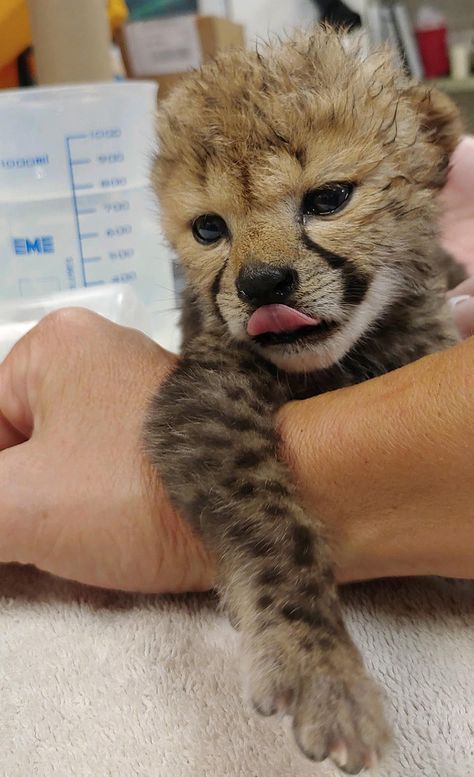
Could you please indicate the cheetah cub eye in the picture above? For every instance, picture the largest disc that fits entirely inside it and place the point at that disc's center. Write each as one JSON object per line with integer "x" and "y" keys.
{"x": 209, "y": 228}
{"x": 327, "y": 199}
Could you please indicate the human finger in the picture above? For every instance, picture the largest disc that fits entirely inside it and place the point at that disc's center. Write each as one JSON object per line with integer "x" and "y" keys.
{"x": 463, "y": 312}
{"x": 8, "y": 434}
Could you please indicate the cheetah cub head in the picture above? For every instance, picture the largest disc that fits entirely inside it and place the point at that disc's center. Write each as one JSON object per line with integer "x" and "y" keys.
{"x": 297, "y": 186}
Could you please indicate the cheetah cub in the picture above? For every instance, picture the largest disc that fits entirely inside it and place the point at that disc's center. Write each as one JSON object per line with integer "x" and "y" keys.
{"x": 298, "y": 187}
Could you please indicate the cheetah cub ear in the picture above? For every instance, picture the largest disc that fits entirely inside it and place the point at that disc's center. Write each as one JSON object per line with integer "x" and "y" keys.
{"x": 424, "y": 119}
{"x": 440, "y": 117}
{"x": 440, "y": 124}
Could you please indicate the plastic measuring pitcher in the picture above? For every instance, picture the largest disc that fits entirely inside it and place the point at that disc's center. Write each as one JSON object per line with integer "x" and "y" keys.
{"x": 76, "y": 208}
{"x": 117, "y": 302}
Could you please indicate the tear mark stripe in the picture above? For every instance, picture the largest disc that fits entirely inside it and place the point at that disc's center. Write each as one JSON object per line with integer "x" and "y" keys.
{"x": 356, "y": 283}
{"x": 215, "y": 288}
{"x": 335, "y": 261}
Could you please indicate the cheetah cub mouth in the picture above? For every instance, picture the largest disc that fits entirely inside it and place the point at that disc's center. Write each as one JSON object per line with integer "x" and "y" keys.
{"x": 279, "y": 324}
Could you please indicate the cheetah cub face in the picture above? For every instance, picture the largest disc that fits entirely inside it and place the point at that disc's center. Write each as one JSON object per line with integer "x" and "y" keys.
{"x": 297, "y": 187}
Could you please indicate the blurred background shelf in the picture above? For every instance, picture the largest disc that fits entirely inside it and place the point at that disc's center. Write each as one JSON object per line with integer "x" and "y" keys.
{"x": 452, "y": 86}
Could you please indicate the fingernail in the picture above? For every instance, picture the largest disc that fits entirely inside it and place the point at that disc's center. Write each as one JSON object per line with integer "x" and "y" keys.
{"x": 453, "y": 301}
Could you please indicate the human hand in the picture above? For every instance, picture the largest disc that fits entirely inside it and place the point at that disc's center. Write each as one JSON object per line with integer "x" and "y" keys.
{"x": 457, "y": 205}
{"x": 78, "y": 498}
{"x": 457, "y": 229}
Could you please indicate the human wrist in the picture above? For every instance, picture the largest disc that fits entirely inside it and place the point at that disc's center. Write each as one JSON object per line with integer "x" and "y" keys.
{"x": 183, "y": 564}
{"x": 320, "y": 455}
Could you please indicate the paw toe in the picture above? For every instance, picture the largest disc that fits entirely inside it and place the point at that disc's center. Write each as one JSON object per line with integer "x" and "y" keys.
{"x": 273, "y": 702}
{"x": 313, "y": 746}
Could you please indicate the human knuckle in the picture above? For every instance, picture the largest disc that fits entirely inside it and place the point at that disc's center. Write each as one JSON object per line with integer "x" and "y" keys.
{"x": 68, "y": 321}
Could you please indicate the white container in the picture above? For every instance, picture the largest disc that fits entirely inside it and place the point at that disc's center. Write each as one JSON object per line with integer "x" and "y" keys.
{"x": 460, "y": 60}
{"x": 117, "y": 302}
{"x": 76, "y": 209}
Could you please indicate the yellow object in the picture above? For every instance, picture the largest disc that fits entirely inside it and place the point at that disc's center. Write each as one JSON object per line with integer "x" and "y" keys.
{"x": 118, "y": 12}
{"x": 15, "y": 30}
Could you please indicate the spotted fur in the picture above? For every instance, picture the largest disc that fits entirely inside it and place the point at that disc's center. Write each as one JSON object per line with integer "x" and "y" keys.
{"x": 245, "y": 138}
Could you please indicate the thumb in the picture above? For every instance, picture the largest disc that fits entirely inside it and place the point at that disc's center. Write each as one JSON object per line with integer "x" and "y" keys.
{"x": 17, "y": 507}
{"x": 16, "y": 418}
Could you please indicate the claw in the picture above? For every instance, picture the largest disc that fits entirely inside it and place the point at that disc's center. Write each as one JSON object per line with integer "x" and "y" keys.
{"x": 372, "y": 760}
{"x": 339, "y": 755}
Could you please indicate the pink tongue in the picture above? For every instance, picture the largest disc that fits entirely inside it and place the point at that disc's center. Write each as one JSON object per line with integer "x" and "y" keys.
{"x": 278, "y": 318}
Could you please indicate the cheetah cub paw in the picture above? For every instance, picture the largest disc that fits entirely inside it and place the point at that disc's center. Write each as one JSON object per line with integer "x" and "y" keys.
{"x": 336, "y": 708}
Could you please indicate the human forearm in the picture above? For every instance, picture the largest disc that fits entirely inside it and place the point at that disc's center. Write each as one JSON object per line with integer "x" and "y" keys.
{"x": 387, "y": 466}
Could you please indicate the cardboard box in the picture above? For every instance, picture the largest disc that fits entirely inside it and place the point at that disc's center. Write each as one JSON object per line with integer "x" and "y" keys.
{"x": 165, "y": 49}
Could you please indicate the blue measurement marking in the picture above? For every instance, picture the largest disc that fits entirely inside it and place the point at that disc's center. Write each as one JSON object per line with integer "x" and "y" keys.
{"x": 67, "y": 141}
{"x": 80, "y": 136}
{"x": 84, "y": 161}
{"x": 95, "y": 283}
{"x": 81, "y": 185}
{"x": 87, "y": 235}
{"x": 86, "y": 211}
{"x": 92, "y": 258}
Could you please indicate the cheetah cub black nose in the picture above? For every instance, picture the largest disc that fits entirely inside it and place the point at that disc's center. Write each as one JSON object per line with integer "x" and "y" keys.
{"x": 265, "y": 284}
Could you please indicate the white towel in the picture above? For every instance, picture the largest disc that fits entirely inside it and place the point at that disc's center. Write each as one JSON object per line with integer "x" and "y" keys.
{"x": 103, "y": 684}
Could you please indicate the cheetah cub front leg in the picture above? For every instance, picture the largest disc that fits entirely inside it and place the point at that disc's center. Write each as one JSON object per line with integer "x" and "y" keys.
{"x": 211, "y": 437}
